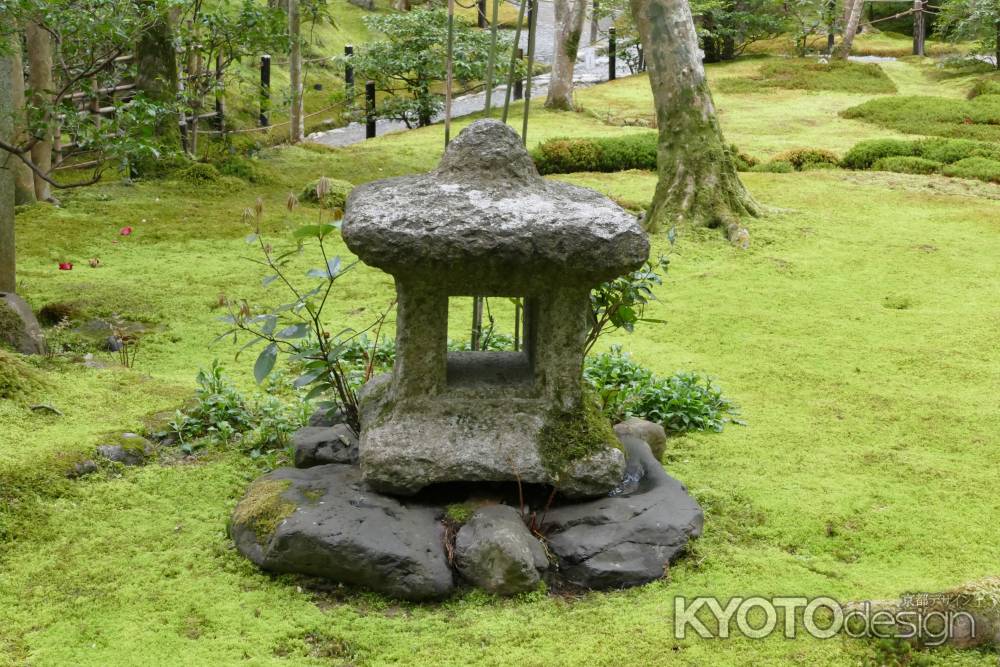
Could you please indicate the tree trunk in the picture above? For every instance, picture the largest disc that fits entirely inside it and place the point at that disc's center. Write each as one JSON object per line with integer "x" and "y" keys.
{"x": 40, "y": 82}
{"x": 697, "y": 182}
{"x": 8, "y": 280}
{"x": 570, "y": 15}
{"x": 24, "y": 180}
{"x": 402, "y": 5}
{"x": 850, "y": 30}
{"x": 156, "y": 75}
{"x": 297, "y": 128}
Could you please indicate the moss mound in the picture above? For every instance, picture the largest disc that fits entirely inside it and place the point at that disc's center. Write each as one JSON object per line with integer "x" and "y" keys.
{"x": 18, "y": 381}
{"x": 978, "y": 118}
{"x": 263, "y": 508}
{"x": 247, "y": 169}
{"x": 978, "y": 168}
{"x": 199, "y": 173}
{"x": 335, "y": 198}
{"x": 803, "y": 74}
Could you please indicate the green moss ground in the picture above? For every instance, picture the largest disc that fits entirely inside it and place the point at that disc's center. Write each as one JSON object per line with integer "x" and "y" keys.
{"x": 867, "y": 469}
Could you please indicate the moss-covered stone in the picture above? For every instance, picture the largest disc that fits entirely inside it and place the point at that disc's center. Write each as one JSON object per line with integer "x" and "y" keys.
{"x": 570, "y": 436}
{"x": 263, "y": 508}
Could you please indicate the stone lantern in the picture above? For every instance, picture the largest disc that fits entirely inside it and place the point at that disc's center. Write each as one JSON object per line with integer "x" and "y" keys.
{"x": 485, "y": 224}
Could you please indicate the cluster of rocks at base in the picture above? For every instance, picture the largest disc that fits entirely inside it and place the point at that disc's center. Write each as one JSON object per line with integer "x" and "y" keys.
{"x": 324, "y": 521}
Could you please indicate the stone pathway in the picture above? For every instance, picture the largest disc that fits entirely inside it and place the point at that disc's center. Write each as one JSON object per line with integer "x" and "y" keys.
{"x": 590, "y": 68}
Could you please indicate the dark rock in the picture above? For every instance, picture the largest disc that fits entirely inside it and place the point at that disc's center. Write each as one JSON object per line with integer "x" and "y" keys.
{"x": 653, "y": 434}
{"x": 18, "y": 326}
{"x": 130, "y": 449}
{"x": 320, "y": 445}
{"x": 495, "y": 551}
{"x": 629, "y": 539}
{"x": 81, "y": 468}
{"x": 364, "y": 4}
{"x": 325, "y": 522}
{"x": 113, "y": 344}
{"x": 326, "y": 418}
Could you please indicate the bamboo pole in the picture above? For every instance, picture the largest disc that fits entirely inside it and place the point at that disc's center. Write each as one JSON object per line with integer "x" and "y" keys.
{"x": 491, "y": 63}
{"x": 449, "y": 77}
{"x": 532, "y": 25}
{"x": 513, "y": 60}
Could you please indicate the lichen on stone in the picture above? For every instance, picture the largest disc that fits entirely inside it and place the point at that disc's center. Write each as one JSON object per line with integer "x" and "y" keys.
{"x": 263, "y": 508}
{"x": 572, "y": 435}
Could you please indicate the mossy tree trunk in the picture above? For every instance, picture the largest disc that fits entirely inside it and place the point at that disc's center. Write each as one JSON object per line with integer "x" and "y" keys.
{"x": 40, "y": 82}
{"x": 24, "y": 180}
{"x": 570, "y": 15}
{"x": 156, "y": 67}
{"x": 698, "y": 183}
{"x": 850, "y": 30}
{"x": 7, "y": 165}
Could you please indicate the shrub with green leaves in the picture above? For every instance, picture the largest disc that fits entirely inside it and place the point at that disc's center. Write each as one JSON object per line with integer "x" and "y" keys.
{"x": 681, "y": 402}
{"x": 907, "y": 164}
{"x": 979, "y": 168}
{"x": 800, "y": 157}
{"x": 604, "y": 154}
{"x": 866, "y": 153}
{"x": 952, "y": 150}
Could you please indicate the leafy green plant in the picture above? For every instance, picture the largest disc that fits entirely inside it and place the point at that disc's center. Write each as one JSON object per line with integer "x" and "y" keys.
{"x": 220, "y": 410}
{"x": 223, "y": 414}
{"x": 299, "y": 328}
{"x": 681, "y": 402}
{"x": 621, "y": 303}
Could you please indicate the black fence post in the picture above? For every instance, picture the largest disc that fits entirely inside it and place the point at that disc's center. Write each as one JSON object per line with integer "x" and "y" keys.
{"x": 519, "y": 83}
{"x": 612, "y": 57}
{"x": 349, "y": 74}
{"x": 369, "y": 109}
{"x": 481, "y": 14}
{"x": 220, "y": 100}
{"x": 265, "y": 89}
